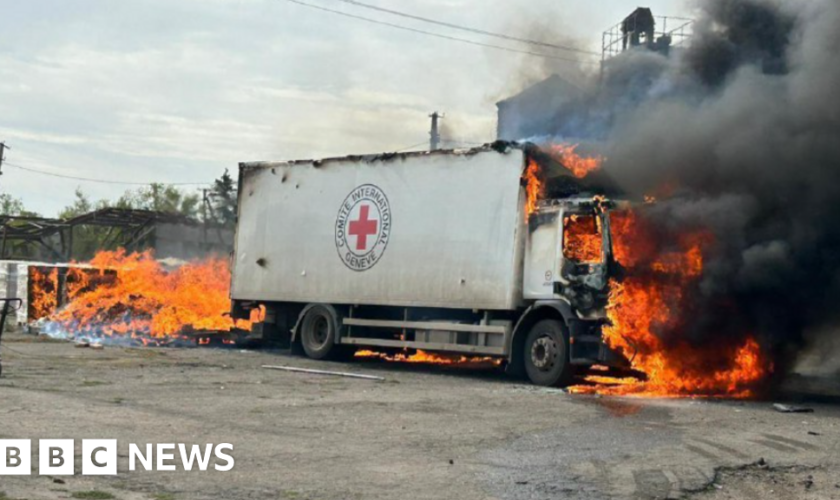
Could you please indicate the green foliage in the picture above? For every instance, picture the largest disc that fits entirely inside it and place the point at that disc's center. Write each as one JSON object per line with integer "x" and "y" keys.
{"x": 12, "y": 206}
{"x": 160, "y": 198}
{"x": 81, "y": 205}
{"x": 87, "y": 240}
{"x": 223, "y": 200}
{"x": 9, "y": 205}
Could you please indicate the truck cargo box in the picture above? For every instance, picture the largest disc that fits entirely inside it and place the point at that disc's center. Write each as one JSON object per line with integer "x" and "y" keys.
{"x": 439, "y": 229}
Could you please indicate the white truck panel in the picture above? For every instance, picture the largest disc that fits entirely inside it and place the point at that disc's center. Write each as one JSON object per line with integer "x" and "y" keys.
{"x": 438, "y": 229}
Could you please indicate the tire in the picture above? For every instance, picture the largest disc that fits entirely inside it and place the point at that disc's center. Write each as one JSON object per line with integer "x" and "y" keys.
{"x": 318, "y": 332}
{"x": 546, "y": 354}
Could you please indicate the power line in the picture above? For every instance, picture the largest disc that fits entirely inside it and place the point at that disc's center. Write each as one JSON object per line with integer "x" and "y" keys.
{"x": 472, "y": 30}
{"x": 104, "y": 181}
{"x": 438, "y": 35}
{"x": 413, "y": 146}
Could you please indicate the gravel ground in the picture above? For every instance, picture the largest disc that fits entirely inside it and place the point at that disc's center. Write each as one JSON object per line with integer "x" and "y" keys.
{"x": 424, "y": 432}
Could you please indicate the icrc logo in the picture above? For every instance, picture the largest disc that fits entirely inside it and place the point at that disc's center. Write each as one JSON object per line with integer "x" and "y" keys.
{"x": 363, "y": 227}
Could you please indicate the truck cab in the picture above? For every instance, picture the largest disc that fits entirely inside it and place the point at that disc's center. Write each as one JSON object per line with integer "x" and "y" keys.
{"x": 567, "y": 270}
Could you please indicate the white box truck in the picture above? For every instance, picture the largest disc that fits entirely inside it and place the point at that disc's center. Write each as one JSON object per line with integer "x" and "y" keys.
{"x": 432, "y": 250}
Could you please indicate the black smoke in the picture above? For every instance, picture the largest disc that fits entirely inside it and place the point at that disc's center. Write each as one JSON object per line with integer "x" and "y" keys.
{"x": 745, "y": 124}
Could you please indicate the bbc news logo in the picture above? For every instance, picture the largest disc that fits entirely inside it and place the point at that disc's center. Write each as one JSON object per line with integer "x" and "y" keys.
{"x": 56, "y": 457}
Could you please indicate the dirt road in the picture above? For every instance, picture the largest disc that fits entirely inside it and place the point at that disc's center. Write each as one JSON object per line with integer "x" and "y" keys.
{"x": 422, "y": 433}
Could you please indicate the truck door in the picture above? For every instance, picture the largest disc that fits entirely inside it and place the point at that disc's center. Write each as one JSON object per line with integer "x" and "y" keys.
{"x": 541, "y": 254}
{"x": 585, "y": 254}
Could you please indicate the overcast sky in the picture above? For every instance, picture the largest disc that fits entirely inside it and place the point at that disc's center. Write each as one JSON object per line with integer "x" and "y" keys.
{"x": 178, "y": 90}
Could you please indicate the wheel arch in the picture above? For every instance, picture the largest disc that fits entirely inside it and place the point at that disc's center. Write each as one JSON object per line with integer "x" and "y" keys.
{"x": 335, "y": 314}
{"x": 540, "y": 310}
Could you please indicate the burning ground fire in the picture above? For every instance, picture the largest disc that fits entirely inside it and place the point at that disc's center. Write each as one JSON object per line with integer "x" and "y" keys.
{"x": 424, "y": 357}
{"x": 136, "y": 300}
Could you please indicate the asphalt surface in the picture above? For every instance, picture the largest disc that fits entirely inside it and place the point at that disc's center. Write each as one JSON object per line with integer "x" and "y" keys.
{"x": 424, "y": 432}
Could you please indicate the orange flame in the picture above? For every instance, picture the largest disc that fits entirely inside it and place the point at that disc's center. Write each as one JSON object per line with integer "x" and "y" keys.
{"x": 580, "y": 166}
{"x": 652, "y": 298}
{"x": 43, "y": 292}
{"x": 428, "y": 358}
{"x": 534, "y": 187}
{"x": 582, "y": 240}
{"x": 144, "y": 301}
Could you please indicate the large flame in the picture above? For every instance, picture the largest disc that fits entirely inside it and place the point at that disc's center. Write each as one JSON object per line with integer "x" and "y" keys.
{"x": 534, "y": 187}
{"x": 654, "y": 298}
{"x": 582, "y": 240}
{"x": 43, "y": 292}
{"x": 144, "y": 301}
{"x": 580, "y": 166}
{"x": 565, "y": 154}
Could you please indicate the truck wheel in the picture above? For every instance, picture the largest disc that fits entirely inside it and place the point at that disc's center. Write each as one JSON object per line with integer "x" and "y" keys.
{"x": 318, "y": 332}
{"x": 547, "y": 354}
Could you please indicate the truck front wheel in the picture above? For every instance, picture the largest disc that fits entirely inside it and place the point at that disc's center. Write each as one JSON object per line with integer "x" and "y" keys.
{"x": 547, "y": 354}
{"x": 318, "y": 331}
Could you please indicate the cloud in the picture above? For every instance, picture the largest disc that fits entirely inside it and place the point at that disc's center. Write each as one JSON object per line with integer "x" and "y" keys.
{"x": 179, "y": 90}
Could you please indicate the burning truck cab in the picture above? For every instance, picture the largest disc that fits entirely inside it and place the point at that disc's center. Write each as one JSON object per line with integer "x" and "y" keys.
{"x": 500, "y": 251}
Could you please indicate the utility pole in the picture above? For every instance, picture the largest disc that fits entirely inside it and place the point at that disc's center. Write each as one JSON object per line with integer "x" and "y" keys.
{"x": 204, "y": 202}
{"x": 434, "y": 134}
{"x": 3, "y": 149}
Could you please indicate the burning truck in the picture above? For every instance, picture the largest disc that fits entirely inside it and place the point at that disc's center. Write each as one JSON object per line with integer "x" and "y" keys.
{"x": 471, "y": 252}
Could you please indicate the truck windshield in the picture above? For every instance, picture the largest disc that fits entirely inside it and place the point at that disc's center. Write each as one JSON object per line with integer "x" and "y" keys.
{"x": 583, "y": 238}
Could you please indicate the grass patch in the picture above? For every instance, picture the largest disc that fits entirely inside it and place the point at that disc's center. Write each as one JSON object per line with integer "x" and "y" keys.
{"x": 118, "y": 401}
{"x": 163, "y": 496}
{"x": 93, "y": 495}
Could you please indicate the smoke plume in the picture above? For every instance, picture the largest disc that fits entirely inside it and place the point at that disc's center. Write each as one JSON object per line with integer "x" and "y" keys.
{"x": 742, "y": 130}
{"x": 745, "y": 125}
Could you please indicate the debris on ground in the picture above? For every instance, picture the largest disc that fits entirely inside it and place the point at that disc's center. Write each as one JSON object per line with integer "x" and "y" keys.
{"x": 792, "y": 409}
{"x": 325, "y": 372}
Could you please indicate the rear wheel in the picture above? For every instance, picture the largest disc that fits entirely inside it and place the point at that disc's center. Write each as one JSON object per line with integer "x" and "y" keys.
{"x": 318, "y": 332}
{"x": 546, "y": 354}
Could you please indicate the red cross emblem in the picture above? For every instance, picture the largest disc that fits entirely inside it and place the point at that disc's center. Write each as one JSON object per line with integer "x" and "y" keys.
{"x": 366, "y": 216}
{"x": 363, "y": 227}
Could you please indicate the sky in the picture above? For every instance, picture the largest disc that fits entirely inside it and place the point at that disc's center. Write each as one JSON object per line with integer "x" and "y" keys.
{"x": 177, "y": 91}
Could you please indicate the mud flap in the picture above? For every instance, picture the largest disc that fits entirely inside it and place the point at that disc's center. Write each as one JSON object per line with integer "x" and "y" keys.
{"x": 587, "y": 347}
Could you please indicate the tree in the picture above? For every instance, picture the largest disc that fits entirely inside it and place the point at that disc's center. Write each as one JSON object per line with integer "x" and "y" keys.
{"x": 160, "y": 198}
{"x": 87, "y": 240}
{"x": 223, "y": 199}
{"x": 81, "y": 205}
{"x": 10, "y": 205}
